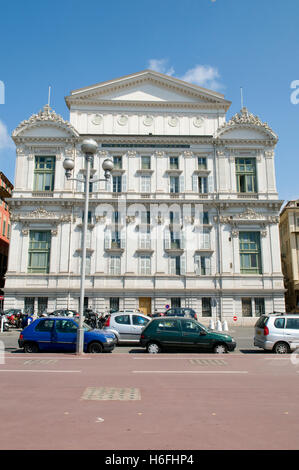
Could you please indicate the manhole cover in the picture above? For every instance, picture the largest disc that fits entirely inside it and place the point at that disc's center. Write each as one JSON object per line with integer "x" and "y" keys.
{"x": 39, "y": 361}
{"x": 208, "y": 362}
{"x": 111, "y": 393}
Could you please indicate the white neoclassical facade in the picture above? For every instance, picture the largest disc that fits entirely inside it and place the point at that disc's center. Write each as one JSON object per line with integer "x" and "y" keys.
{"x": 188, "y": 218}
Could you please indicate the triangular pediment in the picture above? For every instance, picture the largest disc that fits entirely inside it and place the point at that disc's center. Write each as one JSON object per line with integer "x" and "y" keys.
{"x": 147, "y": 86}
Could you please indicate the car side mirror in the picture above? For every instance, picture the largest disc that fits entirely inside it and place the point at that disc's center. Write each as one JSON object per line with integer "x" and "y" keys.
{"x": 203, "y": 333}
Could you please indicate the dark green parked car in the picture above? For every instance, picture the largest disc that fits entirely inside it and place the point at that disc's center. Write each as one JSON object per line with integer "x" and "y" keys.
{"x": 177, "y": 333}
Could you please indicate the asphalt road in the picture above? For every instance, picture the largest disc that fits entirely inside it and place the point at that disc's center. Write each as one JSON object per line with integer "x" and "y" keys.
{"x": 138, "y": 401}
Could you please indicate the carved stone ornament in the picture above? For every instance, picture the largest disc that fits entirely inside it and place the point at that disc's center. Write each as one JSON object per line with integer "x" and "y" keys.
{"x": 45, "y": 115}
{"x": 103, "y": 153}
{"x": 269, "y": 154}
{"x": 159, "y": 220}
{"x": 41, "y": 215}
{"x": 130, "y": 219}
{"x": 97, "y": 119}
{"x": 131, "y": 153}
{"x": 249, "y": 214}
{"x": 100, "y": 219}
{"x": 188, "y": 154}
{"x": 159, "y": 154}
{"x": 198, "y": 121}
{"x": 148, "y": 120}
{"x": 247, "y": 119}
{"x": 234, "y": 232}
{"x": 173, "y": 121}
{"x": 122, "y": 120}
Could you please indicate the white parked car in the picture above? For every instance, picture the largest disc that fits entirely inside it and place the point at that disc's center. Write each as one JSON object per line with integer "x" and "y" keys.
{"x": 277, "y": 332}
{"x": 126, "y": 325}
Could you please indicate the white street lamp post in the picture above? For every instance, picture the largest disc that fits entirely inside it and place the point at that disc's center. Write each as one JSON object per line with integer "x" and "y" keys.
{"x": 89, "y": 148}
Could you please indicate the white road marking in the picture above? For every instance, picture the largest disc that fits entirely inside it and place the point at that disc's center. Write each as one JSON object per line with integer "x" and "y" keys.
{"x": 45, "y": 371}
{"x": 190, "y": 371}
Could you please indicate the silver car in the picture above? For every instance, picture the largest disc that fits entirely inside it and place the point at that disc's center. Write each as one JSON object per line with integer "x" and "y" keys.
{"x": 126, "y": 325}
{"x": 277, "y": 332}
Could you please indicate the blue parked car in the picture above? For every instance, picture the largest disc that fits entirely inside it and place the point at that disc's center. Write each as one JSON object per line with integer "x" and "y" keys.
{"x": 60, "y": 334}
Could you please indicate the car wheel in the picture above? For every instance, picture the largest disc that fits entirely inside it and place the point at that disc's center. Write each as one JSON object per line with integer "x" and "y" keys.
{"x": 95, "y": 348}
{"x": 153, "y": 348}
{"x": 30, "y": 348}
{"x": 220, "y": 349}
{"x": 281, "y": 348}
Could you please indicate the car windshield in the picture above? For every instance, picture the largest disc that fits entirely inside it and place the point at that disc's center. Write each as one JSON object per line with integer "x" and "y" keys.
{"x": 87, "y": 327}
{"x": 205, "y": 328}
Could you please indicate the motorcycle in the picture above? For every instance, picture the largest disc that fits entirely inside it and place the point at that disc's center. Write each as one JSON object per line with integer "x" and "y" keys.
{"x": 4, "y": 323}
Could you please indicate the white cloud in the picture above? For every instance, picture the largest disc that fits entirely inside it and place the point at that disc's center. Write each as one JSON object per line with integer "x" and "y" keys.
{"x": 202, "y": 75}
{"x": 160, "y": 65}
{"x": 5, "y": 139}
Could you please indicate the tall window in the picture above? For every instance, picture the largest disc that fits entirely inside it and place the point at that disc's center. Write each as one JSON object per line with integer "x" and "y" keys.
{"x": 29, "y": 305}
{"x": 250, "y": 253}
{"x": 117, "y": 186}
{"x": 145, "y": 163}
{"x": 259, "y": 305}
{"x": 117, "y": 162}
{"x": 114, "y": 303}
{"x": 206, "y": 307}
{"x": 4, "y": 227}
{"x": 202, "y": 163}
{"x": 202, "y": 184}
{"x": 175, "y": 265}
{"x": 145, "y": 186}
{"x": 39, "y": 251}
{"x": 174, "y": 184}
{"x": 44, "y": 173}
{"x": 246, "y": 175}
{"x": 174, "y": 163}
{"x": 114, "y": 265}
{"x": 115, "y": 240}
{"x": 145, "y": 265}
{"x": 203, "y": 265}
{"x": 246, "y": 307}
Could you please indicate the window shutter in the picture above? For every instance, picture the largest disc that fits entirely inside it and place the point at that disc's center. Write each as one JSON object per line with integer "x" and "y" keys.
{"x": 197, "y": 264}
{"x": 124, "y": 184}
{"x": 182, "y": 184}
{"x": 195, "y": 183}
{"x": 88, "y": 239}
{"x": 109, "y": 184}
{"x": 183, "y": 264}
{"x": 172, "y": 265}
{"x": 208, "y": 265}
{"x": 183, "y": 239}
{"x": 107, "y": 240}
{"x": 206, "y": 239}
{"x": 166, "y": 239}
{"x": 80, "y": 186}
{"x": 210, "y": 184}
{"x": 123, "y": 239}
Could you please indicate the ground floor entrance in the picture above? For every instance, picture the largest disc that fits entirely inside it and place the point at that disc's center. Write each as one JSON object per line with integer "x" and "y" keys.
{"x": 145, "y": 305}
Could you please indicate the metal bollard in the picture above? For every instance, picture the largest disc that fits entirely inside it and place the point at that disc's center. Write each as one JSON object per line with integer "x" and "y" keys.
{"x": 225, "y": 326}
{"x": 211, "y": 325}
{"x": 218, "y": 325}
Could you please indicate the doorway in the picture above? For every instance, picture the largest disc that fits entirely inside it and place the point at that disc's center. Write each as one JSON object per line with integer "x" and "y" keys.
{"x": 145, "y": 305}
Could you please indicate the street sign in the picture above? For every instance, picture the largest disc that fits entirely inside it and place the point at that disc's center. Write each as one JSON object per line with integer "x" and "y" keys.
{"x": 235, "y": 318}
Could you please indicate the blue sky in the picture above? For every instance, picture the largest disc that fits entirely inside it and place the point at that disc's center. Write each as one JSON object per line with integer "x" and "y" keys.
{"x": 221, "y": 44}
